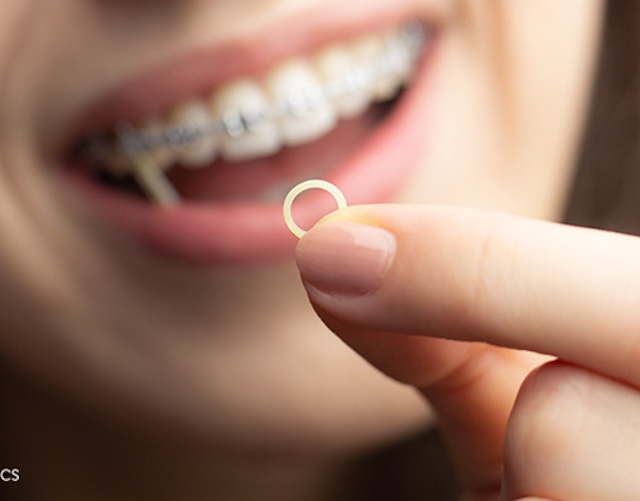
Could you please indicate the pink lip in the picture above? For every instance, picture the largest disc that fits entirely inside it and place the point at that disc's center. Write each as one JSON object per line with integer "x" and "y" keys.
{"x": 202, "y": 69}
{"x": 215, "y": 234}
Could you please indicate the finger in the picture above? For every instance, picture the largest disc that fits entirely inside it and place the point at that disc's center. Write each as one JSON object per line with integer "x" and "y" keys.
{"x": 471, "y": 386}
{"x": 479, "y": 276}
{"x": 573, "y": 435}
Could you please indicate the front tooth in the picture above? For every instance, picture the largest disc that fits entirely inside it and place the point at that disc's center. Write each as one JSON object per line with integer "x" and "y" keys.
{"x": 201, "y": 151}
{"x": 368, "y": 51}
{"x": 260, "y": 138}
{"x": 309, "y": 114}
{"x": 335, "y": 67}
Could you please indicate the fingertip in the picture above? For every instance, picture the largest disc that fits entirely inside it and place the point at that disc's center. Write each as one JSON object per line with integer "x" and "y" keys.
{"x": 345, "y": 258}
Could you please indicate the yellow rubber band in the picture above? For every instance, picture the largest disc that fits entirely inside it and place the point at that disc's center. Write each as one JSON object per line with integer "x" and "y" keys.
{"x": 310, "y": 184}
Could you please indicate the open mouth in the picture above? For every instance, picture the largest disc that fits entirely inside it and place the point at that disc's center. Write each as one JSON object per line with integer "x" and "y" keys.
{"x": 239, "y": 124}
{"x": 205, "y": 178}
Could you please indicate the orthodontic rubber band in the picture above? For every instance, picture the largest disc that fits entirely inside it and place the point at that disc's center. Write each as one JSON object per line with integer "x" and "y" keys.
{"x": 310, "y": 184}
{"x": 153, "y": 182}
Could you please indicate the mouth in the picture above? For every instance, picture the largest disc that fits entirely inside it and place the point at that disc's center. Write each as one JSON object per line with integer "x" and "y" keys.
{"x": 202, "y": 180}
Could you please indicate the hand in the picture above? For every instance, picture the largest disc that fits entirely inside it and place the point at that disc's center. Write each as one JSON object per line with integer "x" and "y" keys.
{"x": 478, "y": 293}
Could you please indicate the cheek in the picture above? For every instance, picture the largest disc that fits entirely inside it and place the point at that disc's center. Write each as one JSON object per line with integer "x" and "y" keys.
{"x": 542, "y": 75}
{"x": 16, "y": 16}
{"x": 513, "y": 85}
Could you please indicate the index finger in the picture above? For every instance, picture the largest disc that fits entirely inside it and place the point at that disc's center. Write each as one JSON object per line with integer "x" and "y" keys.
{"x": 474, "y": 275}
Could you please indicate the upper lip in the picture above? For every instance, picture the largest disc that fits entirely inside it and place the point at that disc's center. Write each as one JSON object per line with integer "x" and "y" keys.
{"x": 242, "y": 53}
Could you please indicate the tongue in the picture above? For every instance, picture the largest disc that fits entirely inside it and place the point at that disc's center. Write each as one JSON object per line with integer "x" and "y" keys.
{"x": 250, "y": 180}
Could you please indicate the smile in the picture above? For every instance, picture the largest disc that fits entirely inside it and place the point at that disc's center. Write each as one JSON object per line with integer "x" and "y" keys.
{"x": 202, "y": 180}
{"x": 297, "y": 102}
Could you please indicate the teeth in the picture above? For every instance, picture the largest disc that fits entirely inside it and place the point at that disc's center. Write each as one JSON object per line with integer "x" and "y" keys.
{"x": 333, "y": 64}
{"x": 201, "y": 151}
{"x": 369, "y": 51}
{"x": 396, "y": 62}
{"x": 297, "y": 102}
{"x": 245, "y": 139}
{"x": 310, "y": 114}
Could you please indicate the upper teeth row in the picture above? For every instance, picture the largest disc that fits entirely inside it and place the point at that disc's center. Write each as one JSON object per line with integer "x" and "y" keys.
{"x": 306, "y": 102}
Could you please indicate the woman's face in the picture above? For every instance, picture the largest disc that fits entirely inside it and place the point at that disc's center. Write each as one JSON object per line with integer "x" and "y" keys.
{"x": 188, "y": 312}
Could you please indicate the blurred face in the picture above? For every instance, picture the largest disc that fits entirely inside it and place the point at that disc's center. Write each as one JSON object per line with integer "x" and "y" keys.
{"x": 145, "y": 151}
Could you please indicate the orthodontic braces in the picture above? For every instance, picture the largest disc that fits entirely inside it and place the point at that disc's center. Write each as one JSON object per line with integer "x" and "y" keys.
{"x": 398, "y": 55}
{"x": 136, "y": 148}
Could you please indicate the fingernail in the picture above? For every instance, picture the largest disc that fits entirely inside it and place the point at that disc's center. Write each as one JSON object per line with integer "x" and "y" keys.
{"x": 345, "y": 258}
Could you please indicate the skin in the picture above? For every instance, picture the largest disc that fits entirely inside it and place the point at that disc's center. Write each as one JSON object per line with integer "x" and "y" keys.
{"x": 472, "y": 277}
{"x": 102, "y": 377}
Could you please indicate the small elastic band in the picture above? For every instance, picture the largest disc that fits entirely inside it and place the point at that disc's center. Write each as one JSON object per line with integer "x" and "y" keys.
{"x": 304, "y": 186}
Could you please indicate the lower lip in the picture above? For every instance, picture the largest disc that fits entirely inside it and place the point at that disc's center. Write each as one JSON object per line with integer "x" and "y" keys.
{"x": 214, "y": 234}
